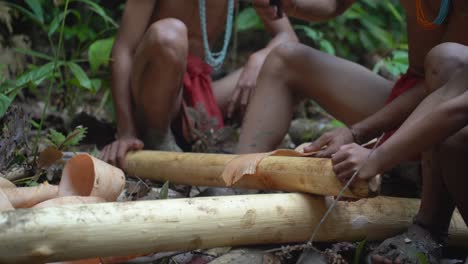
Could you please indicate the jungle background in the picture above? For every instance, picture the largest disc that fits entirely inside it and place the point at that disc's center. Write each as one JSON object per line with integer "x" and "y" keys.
{"x": 55, "y": 89}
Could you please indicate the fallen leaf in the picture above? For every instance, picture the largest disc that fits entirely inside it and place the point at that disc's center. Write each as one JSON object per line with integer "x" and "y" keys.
{"x": 48, "y": 157}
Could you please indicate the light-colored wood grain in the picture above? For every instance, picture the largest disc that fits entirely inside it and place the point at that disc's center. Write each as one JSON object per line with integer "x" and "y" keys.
{"x": 120, "y": 229}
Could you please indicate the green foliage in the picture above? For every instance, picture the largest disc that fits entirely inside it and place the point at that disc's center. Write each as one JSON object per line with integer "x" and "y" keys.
{"x": 164, "y": 191}
{"x": 99, "y": 53}
{"x": 368, "y": 27}
{"x": 422, "y": 258}
{"x": 77, "y": 29}
{"x": 60, "y": 141}
{"x": 248, "y": 20}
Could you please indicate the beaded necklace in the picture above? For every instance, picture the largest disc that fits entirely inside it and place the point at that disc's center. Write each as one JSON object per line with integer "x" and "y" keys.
{"x": 439, "y": 20}
{"x": 216, "y": 59}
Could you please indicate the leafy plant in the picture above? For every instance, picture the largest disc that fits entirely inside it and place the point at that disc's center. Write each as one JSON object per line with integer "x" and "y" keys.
{"x": 367, "y": 27}
{"x": 60, "y": 141}
{"x": 164, "y": 191}
{"x": 63, "y": 69}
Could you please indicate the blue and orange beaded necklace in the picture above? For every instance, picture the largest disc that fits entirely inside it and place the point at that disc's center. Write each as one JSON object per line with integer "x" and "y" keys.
{"x": 439, "y": 20}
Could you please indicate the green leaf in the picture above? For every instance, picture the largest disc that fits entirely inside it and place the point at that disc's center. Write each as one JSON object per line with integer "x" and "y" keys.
{"x": 248, "y": 20}
{"x": 359, "y": 250}
{"x": 32, "y": 183}
{"x": 99, "y": 53}
{"x": 327, "y": 47}
{"x": 98, "y": 10}
{"x": 34, "y": 124}
{"x": 36, "y": 7}
{"x": 75, "y": 137}
{"x": 336, "y": 124}
{"x": 34, "y": 54}
{"x": 26, "y": 12}
{"x": 37, "y": 75}
{"x": 310, "y": 32}
{"x": 422, "y": 258}
{"x": 54, "y": 25}
{"x": 163, "y": 194}
{"x": 97, "y": 84}
{"x": 56, "y": 137}
{"x": 80, "y": 75}
{"x": 5, "y": 102}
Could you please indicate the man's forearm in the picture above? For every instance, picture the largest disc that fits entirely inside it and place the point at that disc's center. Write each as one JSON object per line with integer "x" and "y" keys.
{"x": 390, "y": 117}
{"x": 437, "y": 125}
{"x": 316, "y": 10}
{"x": 122, "y": 96}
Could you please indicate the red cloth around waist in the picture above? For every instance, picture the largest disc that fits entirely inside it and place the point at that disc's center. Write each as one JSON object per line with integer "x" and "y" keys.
{"x": 198, "y": 92}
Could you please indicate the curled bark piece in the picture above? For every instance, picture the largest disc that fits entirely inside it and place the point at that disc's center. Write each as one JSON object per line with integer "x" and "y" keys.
{"x": 5, "y": 204}
{"x": 25, "y": 197}
{"x": 247, "y": 164}
{"x": 85, "y": 175}
{"x": 69, "y": 200}
{"x": 4, "y": 183}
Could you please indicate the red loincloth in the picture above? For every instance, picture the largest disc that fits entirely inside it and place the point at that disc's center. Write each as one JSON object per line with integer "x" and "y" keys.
{"x": 198, "y": 91}
{"x": 405, "y": 83}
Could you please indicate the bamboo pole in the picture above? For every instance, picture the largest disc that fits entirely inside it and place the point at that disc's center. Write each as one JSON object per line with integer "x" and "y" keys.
{"x": 294, "y": 174}
{"x": 118, "y": 229}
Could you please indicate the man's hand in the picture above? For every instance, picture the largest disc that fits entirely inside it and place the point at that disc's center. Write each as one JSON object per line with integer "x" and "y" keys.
{"x": 115, "y": 152}
{"x": 352, "y": 157}
{"x": 271, "y": 11}
{"x": 330, "y": 142}
{"x": 246, "y": 84}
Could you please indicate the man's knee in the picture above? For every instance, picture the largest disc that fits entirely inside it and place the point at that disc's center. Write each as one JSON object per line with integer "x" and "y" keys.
{"x": 288, "y": 53}
{"x": 442, "y": 62}
{"x": 168, "y": 37}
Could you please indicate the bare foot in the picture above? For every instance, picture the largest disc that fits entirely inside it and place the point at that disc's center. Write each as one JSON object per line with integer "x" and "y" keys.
{"x": 407, "y": 248}
{"x": 164, "y": 141}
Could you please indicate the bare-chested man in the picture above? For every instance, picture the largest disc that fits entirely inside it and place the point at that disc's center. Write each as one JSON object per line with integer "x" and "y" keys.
{"x": 158, "y": 67}
{"x": 371, "y": 105}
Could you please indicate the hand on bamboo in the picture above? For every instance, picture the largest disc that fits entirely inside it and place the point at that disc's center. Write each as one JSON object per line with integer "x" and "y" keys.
{"x": 115, "y": 152}
{"x": 330, "y": 142}
{"x": 352, "y": 157}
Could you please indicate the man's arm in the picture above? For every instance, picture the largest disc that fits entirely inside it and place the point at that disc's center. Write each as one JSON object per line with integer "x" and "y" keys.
{"x": 282, "y": 32}
{"x": 312, "y": 10}
{"x": 137, "y": 15}
{"x": 440, "y": 123}
{"x": 390, "y": 117}
{"x": 135, "y": 20}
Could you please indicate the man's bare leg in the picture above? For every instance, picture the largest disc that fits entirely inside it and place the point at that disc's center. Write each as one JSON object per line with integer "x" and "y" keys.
{"x": 444, "y": 167}
{"x": 159, "y": 69}
{"x": 293, "y": 72}
{"x": 223, "y": 89}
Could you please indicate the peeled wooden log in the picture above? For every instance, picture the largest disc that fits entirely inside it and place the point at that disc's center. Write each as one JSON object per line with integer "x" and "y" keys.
{"x": 294, "y": 174}
{"x": 119, "y": 229}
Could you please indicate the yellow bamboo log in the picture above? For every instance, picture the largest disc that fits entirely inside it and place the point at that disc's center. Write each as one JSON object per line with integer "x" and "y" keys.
{"x": 294, "y": 174}
{"x": 118, "y": 229}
